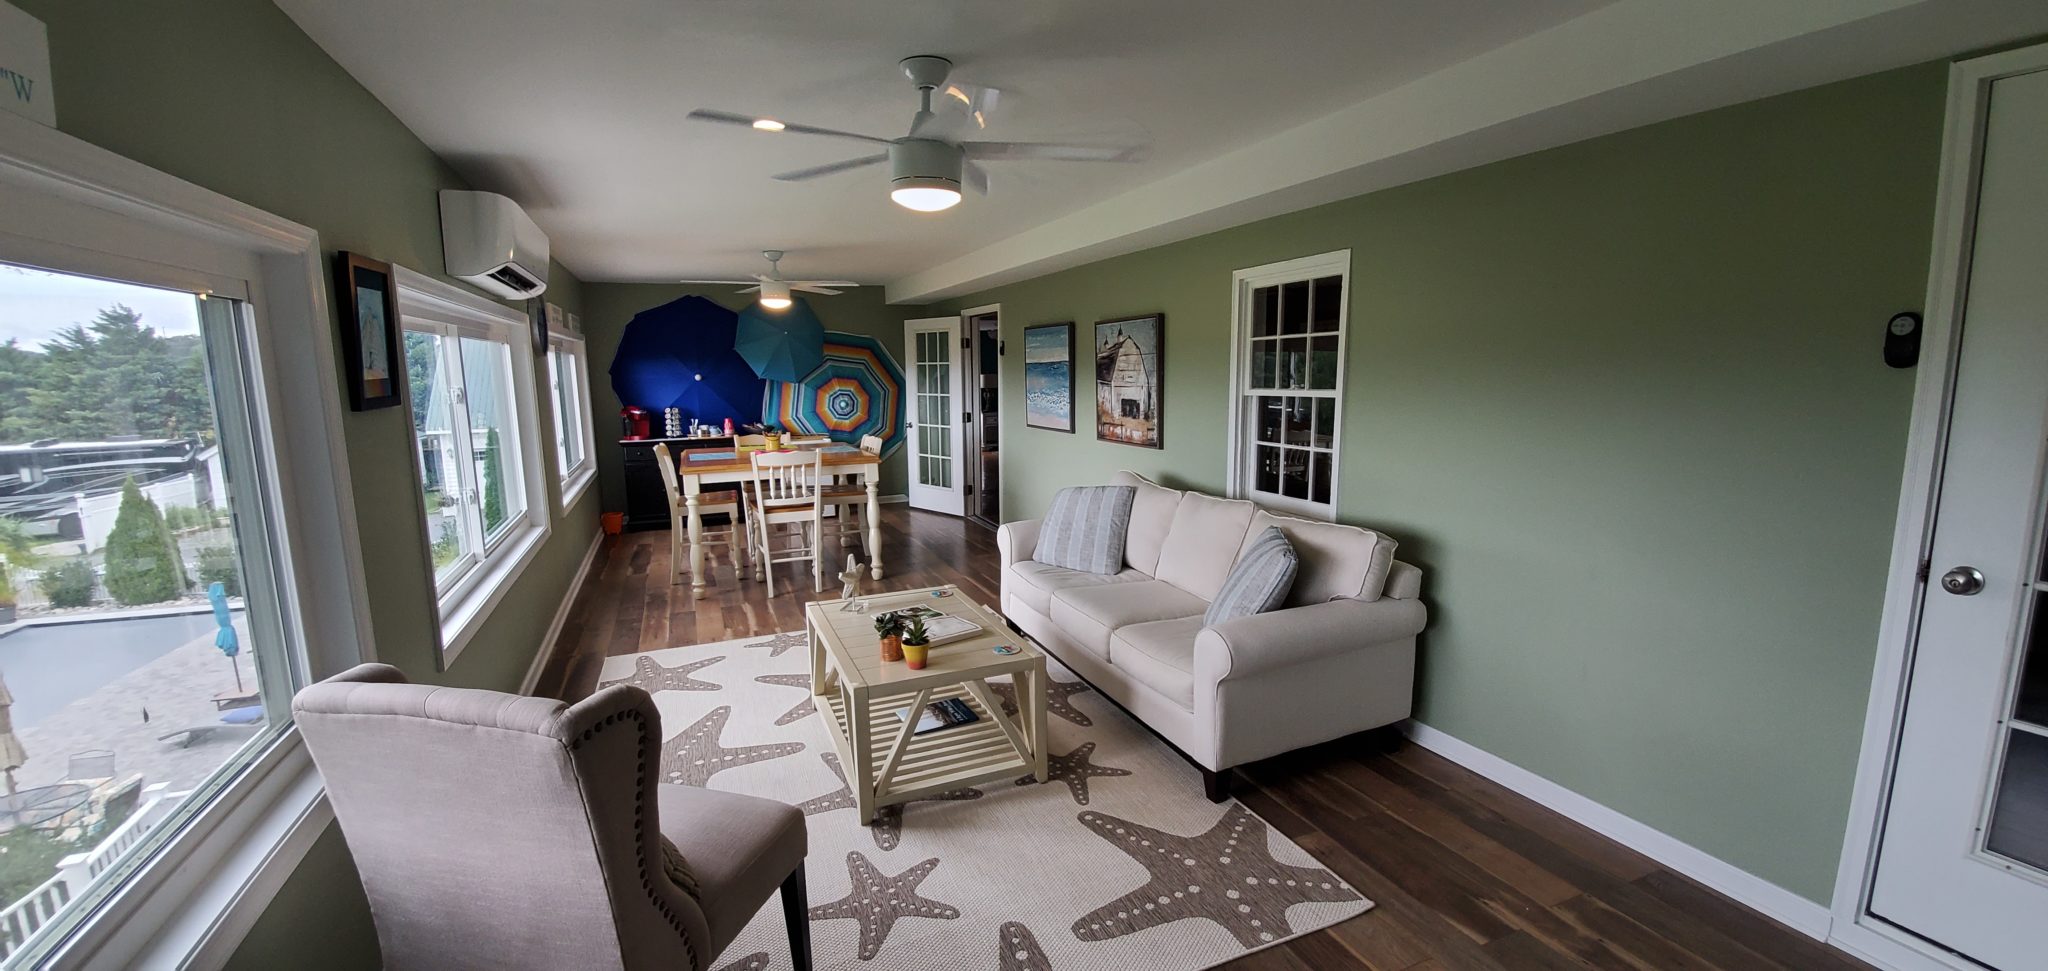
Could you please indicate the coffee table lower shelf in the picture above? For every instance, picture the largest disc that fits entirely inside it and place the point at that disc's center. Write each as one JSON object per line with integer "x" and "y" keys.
{"x": 929, "y": 764}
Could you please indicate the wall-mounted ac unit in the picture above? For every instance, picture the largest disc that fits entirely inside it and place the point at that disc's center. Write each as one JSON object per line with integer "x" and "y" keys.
{"x": 488, "y": 240}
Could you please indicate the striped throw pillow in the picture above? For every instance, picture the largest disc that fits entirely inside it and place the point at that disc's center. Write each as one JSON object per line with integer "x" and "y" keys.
{"x": 1084, "y": 528}
{"x": 1258, "y": 581}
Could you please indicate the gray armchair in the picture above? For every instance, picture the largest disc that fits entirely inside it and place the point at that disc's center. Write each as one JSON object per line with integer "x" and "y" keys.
{"x": 504, "y": 832}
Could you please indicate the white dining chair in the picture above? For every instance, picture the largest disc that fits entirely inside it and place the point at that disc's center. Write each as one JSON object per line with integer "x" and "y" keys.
{"x": 726, "y": 501}
{"x": 787, "y": 491}
{"x": 849, "y": 497}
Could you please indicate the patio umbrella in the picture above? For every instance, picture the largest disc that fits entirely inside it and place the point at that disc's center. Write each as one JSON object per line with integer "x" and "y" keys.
{"x": 680, "y": 355}
{"x": 781, "y": 345}
{"x": 857, "y": 391}
{"x": 12, "y": 755}
{"x": 224, "y": 638}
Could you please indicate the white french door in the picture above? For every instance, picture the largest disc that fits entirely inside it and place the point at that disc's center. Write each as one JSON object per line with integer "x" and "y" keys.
{"x": 937, "y": 469}
{"x": 1963, "y": 860}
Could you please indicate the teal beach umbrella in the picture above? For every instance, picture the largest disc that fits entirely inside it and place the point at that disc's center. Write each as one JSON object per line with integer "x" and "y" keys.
{"x": 781, "y": 345}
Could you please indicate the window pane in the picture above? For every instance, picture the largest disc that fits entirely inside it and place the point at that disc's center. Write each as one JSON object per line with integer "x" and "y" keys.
{"x": 1265, "y": 364}
{"x": 494, "y": 433}
{"x": 1265, "y": 311}
{"x": 441, "y": 473}
{"x": 1298, "y": 432}
{"x": 134, "y": 511}
{"x": 1319, "y": 477}
{"x": 1294, "y": 473}
{"x": 1322, "y": 362}
{"x": 1326, "y": 422}
{"x": 1294, "y": 307}
{"x": 1269, "y": 413}
{"x": 1323, "y": 306}
{"x": 1268, "y": 478}
{"x": 1294, "y": 362}
{"x": 562, "y": 377}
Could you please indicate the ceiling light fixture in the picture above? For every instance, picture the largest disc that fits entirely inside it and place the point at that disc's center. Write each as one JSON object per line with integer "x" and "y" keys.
{"x": 775, "y": 295}
{"x": 768, "y": 124}
{"x": 926, "y": 176}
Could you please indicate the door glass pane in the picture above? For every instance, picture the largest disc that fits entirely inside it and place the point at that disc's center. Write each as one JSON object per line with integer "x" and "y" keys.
{"x": 1324, "y": 304}
{"x": 935, "y": 409}
{"x": 2019, "y": 817}
{"x": 2032, "y": 706}
{"x": 494, "y": 433}
{"x": 437, "y": 449}
{"x": 132, "y": 511}
{"x": 1294, "y": 307}
{"x": 1265, "y": 311}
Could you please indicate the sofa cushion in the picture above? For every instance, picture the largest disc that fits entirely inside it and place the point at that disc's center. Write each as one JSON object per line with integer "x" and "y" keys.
{"x": 1160, "y": 655}
{"x": 1336, "y": 560}
{"x": 1258, "y": 581}
{"x": 1151, "y": 516}
{"x": 1035, "y": 583}
{"x": 1084, "y": 528}
{"x": 1203, "y": 542}
{"x": 1089, "y": 615}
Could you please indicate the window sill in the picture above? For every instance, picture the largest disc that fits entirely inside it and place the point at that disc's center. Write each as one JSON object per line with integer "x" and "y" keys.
{"x": 462, "y": 617}
{"x": 577, "y": 484}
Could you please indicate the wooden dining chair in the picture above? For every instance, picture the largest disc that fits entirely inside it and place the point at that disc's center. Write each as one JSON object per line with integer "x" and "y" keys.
{"x": 849, "y": 496}
{"x": 750, "y": 441}
{"x": 726, "y": 501}
{"x": 787, "y": 491}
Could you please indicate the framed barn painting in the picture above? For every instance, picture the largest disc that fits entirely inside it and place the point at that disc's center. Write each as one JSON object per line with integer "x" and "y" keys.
{"x": 1049, "y": 377}
{"x": 369, "y": 330}
{"x": 1129, "y": 380}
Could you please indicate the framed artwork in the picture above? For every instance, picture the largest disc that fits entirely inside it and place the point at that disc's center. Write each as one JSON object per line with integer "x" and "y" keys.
{"x": 1049, "y": 377}
{"x": 538, "y": 314}
{"x": 369, "y": 324}
{"x": 1129, "y": 381}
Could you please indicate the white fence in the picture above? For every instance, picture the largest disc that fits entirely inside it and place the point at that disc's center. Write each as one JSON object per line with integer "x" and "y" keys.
{"x": 23, "y": 918}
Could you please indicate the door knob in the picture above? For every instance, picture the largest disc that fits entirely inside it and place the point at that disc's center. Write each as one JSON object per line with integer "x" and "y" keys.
{"x": 1963, "y": 581}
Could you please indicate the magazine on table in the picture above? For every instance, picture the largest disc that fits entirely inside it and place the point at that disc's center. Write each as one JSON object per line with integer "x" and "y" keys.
{"x": 940, "y": 714}
{"x": 940, "y": 628}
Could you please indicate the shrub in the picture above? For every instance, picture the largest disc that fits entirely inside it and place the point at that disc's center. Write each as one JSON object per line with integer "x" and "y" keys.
{"x": 68, "y": 583}
{"x": 7, "y": 598}
{"x": 142, "y": 565}
{"x": 217, "y": 565}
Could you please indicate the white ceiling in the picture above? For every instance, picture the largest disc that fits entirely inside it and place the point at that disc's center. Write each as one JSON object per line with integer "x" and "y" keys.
{"x": 576, "y": 109}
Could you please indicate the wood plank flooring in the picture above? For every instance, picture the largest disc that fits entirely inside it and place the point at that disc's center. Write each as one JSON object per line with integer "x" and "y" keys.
{"x": 1467, "y": 874}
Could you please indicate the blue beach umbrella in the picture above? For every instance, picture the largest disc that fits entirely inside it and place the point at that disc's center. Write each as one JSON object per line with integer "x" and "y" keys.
{"x": 781, "y": 345}
{"x": 680, "y": 355}
{"x": 225, "y": 638}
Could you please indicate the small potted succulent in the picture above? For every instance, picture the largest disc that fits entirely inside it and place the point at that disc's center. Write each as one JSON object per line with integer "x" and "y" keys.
{"x": 916, "y": 643}
{"x": 889, "y": 628}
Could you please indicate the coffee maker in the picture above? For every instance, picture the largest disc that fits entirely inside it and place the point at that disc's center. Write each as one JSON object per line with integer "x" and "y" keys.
{"x": 633, "y": 422}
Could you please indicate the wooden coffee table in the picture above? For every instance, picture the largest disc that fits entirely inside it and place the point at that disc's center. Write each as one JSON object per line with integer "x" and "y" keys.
{"x": 887, "y": 764}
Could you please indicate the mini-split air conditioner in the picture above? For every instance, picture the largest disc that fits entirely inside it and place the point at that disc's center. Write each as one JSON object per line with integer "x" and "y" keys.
{"x": 488, "y": 240}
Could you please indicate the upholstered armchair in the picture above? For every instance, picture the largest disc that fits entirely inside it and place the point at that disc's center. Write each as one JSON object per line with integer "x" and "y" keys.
{"x": 504, "y": 832}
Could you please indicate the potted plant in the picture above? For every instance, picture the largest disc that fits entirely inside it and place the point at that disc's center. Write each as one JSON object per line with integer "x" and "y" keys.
{"x": 889, "y": 628}
{"x": 916, "y": 643}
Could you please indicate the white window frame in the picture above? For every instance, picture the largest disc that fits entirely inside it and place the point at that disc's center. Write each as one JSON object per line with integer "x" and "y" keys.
{"x": 74, "y": 205}
{"x": 1241, "y": 439}
{"x": 576, "y": 479}
{"x": 425, "y": 303}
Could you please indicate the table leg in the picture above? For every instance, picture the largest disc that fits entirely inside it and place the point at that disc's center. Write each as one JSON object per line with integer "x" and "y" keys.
{"x": 875, "y": 521}
{"x": 696, "y": 526}
{"x": 817, "y": 658}
{"x": 1039, "y": 693}
{"x": 860, "y": 776}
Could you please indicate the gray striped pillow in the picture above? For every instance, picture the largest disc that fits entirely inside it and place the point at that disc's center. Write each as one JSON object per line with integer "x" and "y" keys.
{"x": 1084, "y": 529}
{"x": 1258, "y": 581}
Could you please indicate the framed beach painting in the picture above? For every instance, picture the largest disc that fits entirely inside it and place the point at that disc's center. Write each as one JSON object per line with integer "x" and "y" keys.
{"x": 1129, "y": 381}
{"x": 1049, "y": 377}
{"x": 369, "y": 324}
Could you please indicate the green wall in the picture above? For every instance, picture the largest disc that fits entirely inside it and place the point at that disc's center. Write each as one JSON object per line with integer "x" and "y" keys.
{"x": 230, "y": 95}
{"x": 1623, "y": 401}
{"x": 609, "y": 306}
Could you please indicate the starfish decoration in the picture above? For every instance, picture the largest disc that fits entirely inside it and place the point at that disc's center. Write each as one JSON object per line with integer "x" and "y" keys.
{"x": 1056, "y": 694}
{"x": 652, "y": 677}
{"x": 888, "y": 825}
{"x": 783, "y": 643}
{"x": 694, "y": 756}
{"x": 1018, "y": 949}
{"x": 1227, "y": 875}
{"x": 757, "y": 961}
{"x": 805, "y": 708}
{"x": 1075, "y": 770}
{"x": 878, "y": 902}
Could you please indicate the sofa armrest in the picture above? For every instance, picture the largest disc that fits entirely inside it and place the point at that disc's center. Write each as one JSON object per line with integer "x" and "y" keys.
{"x": 1251, "y": 646}
{"x": 1017, "y": 540}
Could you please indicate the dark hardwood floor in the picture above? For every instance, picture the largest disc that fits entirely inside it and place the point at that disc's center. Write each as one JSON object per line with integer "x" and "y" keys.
{"x": 1466, "y": 874}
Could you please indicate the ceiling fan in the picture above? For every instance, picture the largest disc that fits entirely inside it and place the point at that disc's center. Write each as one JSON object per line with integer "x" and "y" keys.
{"x": 927, "y": 169}
{"x": 775, "y": 290}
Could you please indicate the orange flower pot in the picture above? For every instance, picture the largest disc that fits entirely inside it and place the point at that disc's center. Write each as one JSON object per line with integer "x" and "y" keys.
{"x": 892, "y": 648}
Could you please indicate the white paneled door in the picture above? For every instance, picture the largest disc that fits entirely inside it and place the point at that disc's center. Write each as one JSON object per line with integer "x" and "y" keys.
{"x": 1963, "y": 860}
{"x": 933, "y": 410}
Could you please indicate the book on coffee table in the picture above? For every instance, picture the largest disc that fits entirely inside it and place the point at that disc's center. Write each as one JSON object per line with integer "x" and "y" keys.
{"x": 940, "y": 628}
{"x": 940, "y": 714}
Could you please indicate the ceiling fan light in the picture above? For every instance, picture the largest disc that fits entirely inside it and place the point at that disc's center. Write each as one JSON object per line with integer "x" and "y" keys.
{"x": 926, "y": 194}
{"x": 775, "y": 295}
{"x": 768, "y": 124}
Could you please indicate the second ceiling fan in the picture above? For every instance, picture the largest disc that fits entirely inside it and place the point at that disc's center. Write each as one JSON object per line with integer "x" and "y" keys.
{"x": 927, "y": 169}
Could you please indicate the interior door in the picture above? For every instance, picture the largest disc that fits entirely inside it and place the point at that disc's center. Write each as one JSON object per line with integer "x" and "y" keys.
{"x": 1964, "y": 856}
{"x": 935, "y": 374}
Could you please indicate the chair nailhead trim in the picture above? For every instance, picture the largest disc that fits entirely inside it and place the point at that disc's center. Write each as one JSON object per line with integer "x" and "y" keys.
{"x": 647, "y": 758}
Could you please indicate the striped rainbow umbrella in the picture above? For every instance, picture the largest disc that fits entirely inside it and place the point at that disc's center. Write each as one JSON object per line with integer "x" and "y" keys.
{"x": 857, "y": 391}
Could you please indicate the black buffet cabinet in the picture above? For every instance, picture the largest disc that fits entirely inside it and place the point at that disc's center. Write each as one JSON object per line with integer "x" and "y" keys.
{"x": 646, "y": 496}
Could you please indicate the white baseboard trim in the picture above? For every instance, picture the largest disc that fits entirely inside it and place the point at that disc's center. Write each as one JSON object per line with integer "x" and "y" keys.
{"x": 899, "y": 497}
{"x": 547, "y": 642}
{"x": 1746, "y": 888}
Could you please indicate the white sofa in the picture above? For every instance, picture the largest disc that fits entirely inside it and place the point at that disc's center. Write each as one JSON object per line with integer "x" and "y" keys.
{"x": 1337, "y": 658}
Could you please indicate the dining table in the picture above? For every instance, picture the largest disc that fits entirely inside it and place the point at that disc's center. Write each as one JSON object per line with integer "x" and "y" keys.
{"x": 698, "y": 468}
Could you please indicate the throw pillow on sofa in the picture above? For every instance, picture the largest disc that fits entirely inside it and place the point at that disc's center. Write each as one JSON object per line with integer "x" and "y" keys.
{"x": 1258, "y": 581}
{"x": 1084, "y": 528}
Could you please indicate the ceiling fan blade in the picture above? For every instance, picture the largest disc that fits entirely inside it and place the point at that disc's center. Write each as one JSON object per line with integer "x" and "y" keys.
{"x": 747, "y": 121}
{"x": 751, "y": 289}
{"x": 975, "y": 176}
{"x": 807, "y": 288}
{"x": 817, "y": 171}
{"x": 720, "y": 283}
{"x": 1051, "y": 152}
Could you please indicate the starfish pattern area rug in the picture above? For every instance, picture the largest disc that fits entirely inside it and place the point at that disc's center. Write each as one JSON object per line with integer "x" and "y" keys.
{"x": 1116, "y": 863}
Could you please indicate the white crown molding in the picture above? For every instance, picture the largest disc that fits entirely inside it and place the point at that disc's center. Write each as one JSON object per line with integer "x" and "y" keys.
{"x": 1628, "y": 64}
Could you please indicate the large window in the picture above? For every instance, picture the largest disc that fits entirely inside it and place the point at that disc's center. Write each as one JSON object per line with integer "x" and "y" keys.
{"x": 569, "y": 395}
{"x": 1288, "y": 381}
{"x": 469, "y": 369}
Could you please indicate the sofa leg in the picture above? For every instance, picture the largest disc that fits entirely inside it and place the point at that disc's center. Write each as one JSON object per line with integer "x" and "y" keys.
{"x": 796, "y": 913}
{"x": 1216, "y": 784}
